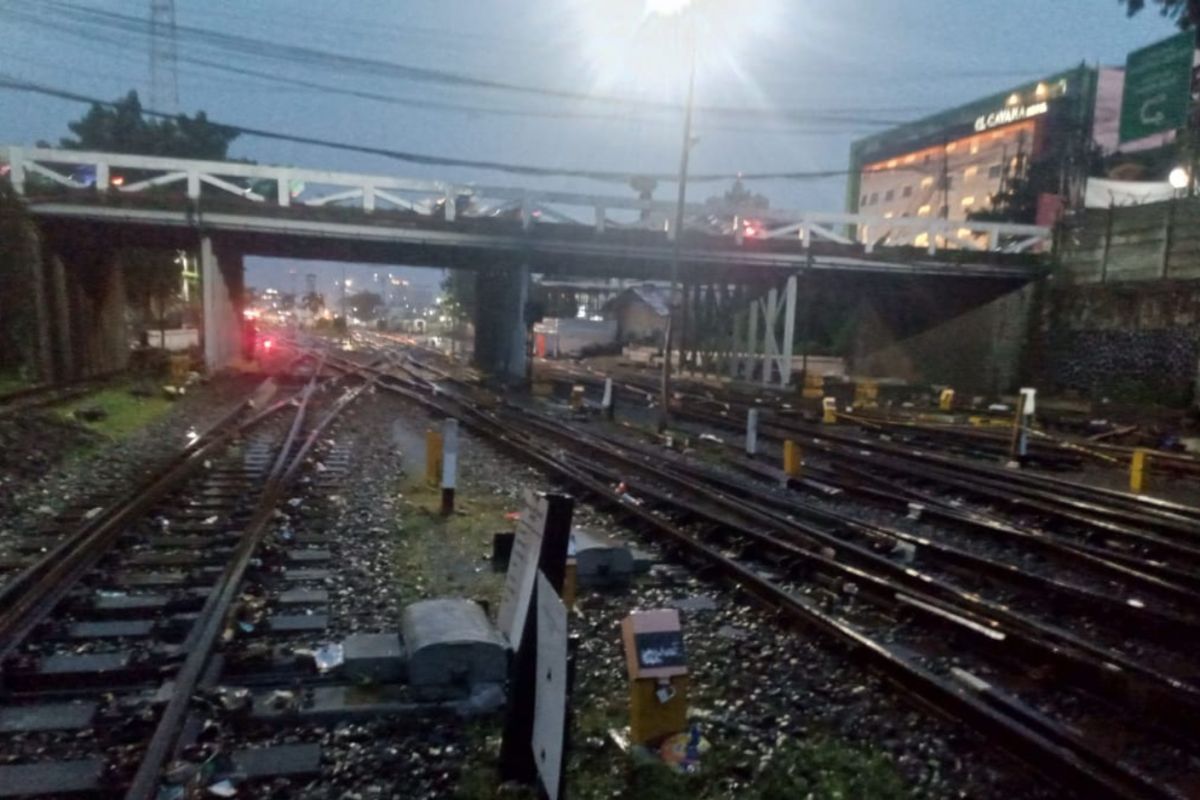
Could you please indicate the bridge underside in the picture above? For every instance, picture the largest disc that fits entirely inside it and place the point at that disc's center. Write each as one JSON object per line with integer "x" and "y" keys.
{"x": 905, "y": 286}
{"x": 474, "y": 243}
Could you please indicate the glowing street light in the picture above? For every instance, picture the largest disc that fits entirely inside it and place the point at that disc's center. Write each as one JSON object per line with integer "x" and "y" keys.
{"x": 1179, "y": 178}
{"x": 667, "y": 8}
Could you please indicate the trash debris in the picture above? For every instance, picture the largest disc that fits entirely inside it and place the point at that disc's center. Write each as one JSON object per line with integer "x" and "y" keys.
{"x": 905, "y": 551}
{"x": 733, "y": 633}
{"x": 915, "y": 510}
{"x": 682, "y": 751}
{"x": 282, "y": 700}
{"x": 211, "y": 520}
{"x": 93, "y": 512}
{"x": 232, "y": 698}
{"x": 708, "y": 437}
{"x": 699, "y": 602}
{"x": 223, "y": 788}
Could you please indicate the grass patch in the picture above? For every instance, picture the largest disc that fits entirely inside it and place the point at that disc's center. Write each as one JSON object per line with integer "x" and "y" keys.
{"x": 817, "y": 767}
{"x": 11, "y": 381}
{"x": 450, "y": 556}
{"x": 124, "y": 413}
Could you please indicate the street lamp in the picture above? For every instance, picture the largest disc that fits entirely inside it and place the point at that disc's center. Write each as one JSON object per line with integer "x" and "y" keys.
{"x": 1179, "y": 178}
{"x": 664, "y": 8}
{"x": 670, "y": 8}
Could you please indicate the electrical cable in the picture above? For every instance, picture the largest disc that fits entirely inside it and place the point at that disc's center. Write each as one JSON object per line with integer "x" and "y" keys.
{"x": 16, "y": 84}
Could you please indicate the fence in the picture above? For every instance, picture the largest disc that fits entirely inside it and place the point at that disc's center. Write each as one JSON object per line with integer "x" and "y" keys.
{"x": 1157, "y": 241}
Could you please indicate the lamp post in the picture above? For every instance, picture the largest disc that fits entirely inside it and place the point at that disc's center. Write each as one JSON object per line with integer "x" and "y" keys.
{"x": 667, "y": 8}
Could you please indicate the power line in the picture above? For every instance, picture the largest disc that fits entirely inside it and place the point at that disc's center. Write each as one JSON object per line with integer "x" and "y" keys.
{"x": 15, "y": 84}
{"x": 298, "y": 54}
{"x": 817, "y": 125}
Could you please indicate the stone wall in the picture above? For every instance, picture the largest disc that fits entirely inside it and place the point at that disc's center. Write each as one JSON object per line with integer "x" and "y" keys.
{"x": 1131, "y": 342}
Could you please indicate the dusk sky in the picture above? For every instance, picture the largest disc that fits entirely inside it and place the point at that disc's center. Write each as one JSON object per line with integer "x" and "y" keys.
{"x": 796, "y": 81}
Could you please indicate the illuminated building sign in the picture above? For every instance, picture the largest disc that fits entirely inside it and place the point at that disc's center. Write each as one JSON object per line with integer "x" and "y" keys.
{"x": 1009, "y": 115}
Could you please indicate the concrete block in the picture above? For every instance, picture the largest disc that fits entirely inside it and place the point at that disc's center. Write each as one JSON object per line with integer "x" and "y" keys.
{"x": 452, "y": 648}
{"x": 375, "y": 657}
{"x": 600, "y": 562}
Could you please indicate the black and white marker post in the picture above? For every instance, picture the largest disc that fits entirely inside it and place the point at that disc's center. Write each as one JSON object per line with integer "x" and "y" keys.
{"x": 449, "y": 464}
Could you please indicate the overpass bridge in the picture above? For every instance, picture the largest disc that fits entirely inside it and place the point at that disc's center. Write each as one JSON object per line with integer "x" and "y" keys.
{"x": 229, "y": 210}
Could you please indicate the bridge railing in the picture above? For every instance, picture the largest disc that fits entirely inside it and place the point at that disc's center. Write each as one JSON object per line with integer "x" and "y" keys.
{"x": 284, "y": 187}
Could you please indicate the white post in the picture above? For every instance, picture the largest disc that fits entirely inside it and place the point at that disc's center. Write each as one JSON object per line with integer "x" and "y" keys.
{"x": 789, "y": 332}
{"x": 1028, "y": 406}
{"x": 452, "y": 208}
{"x": 526, "y": 214}
{"x": 369, "y": 199}
{"x": 752, "y": 341}
{"x": 193, "y": 185}
{"x": 102, "y": 177}
{"x": 606, "y": 404}
{"x": 601, "y": 218}
{"x": 449, "y": 464}
{"x": 770, "y": 326}
{"x": 752, "y": 432}
{"x": 16, "y": 163}
{"x": 283, "y": 190}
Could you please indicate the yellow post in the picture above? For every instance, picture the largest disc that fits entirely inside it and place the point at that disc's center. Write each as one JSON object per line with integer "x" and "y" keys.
{"x": 570, "y": 583}
{"x": 1137, "y": 470}
{"x": 577, "y": 396}
{"x": 946, "y": 401}
{"x": 791, "y": 459}
{"x": 829, "y": 405}
{"x": 433, "y": 458}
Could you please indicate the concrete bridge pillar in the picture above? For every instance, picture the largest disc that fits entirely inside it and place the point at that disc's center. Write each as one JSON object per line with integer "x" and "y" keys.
{"x": 501, "y": 330}
{"x": 221, "y": 279}
{"x": 85, "y": 293}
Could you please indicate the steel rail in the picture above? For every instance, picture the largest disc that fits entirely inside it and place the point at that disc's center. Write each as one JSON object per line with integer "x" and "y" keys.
{"x": 913, "y": 465}
{"x": 1138, "y": 618}
{"x": 29, "y": 597}
{"x": 1157, "y": 511}
{"x": 1134, "y": 685}
{"x": 1094, "y": 777}
{"x": 205, "y": 632}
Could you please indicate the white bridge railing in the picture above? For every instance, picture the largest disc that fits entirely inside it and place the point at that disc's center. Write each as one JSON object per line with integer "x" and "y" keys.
{"x": 283, "y": 187}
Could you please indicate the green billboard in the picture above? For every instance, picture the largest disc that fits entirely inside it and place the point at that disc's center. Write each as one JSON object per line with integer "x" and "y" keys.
{"x": 1158, "y": 87}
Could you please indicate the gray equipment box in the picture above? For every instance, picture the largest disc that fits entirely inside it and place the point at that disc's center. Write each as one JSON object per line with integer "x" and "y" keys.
{"x": 600, "y": 563}
{"x": 452, "y": 648}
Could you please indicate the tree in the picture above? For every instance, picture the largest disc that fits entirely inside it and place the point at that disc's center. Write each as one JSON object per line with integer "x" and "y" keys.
{"x": 314, "y": 302}
{"x": 122, "y": 127}
{"x": 364, "y": 304}
{"x": 459, "y": 289}
{"x": 152, "y": 277}
{"x": 1187, "y": 12}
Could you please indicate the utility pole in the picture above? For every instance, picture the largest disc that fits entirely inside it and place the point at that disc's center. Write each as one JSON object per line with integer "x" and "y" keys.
{"x": 164, "y": 56}
{"x": 664, "y": 415}
{"x": 944, "y": 211}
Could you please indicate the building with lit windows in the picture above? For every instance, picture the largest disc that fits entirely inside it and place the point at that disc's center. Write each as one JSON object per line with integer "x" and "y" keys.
{"x": 953, "y": 163}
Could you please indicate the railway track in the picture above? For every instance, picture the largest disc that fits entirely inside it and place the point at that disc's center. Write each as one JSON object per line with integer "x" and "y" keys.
{"x": 1051, "y": 694}
{"x": 110, "y": 638}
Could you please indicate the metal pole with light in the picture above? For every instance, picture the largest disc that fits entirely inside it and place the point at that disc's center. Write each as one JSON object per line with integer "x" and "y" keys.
{"x": 665, "y": 8}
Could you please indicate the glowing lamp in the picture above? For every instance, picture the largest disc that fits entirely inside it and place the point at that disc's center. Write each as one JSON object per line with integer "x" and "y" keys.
{"x": 666, "y": 8}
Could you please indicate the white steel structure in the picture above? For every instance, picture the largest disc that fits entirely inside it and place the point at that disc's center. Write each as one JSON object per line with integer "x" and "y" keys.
{"x": 284, "y": 187}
